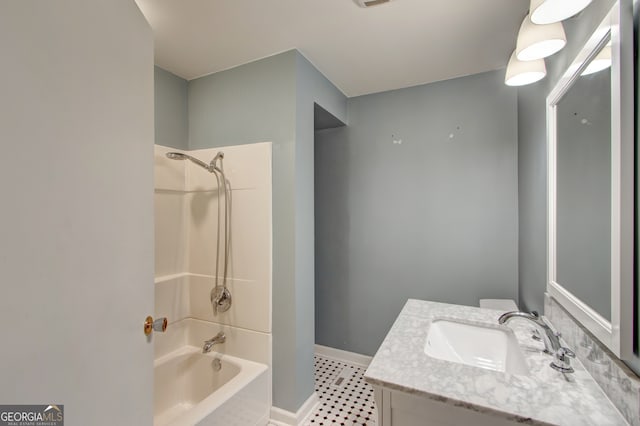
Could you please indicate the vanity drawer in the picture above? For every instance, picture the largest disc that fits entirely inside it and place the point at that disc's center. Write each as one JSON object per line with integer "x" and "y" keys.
{"x": 409, "y": 410}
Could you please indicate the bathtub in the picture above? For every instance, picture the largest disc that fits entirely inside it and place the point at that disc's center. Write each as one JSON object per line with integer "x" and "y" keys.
{"x": 189, "y": 391}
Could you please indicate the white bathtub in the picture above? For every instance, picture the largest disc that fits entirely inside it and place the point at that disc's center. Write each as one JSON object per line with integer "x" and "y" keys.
{"x": 188, "y": 390}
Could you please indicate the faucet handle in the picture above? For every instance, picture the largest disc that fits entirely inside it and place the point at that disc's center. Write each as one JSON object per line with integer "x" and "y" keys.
{"x": 562, "y": 363}
{"x": 535, "y": 335}
{"x": 564, "y": 352}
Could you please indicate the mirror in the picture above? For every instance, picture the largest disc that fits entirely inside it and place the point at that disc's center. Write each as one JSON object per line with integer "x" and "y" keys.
{"x": 591, "y": 189}
{"x": 583, "y": 186}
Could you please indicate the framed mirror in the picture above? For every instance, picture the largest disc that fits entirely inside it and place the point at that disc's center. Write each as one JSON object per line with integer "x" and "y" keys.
{"x": 591, "y": 187}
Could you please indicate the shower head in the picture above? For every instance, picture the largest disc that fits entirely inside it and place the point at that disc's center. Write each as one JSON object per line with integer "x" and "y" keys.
{"x": 181, "y": 156}
{"x": 176, "y": 156}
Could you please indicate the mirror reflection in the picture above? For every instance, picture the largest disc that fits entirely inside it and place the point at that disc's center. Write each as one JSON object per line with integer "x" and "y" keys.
{"x": 583, "y": 214}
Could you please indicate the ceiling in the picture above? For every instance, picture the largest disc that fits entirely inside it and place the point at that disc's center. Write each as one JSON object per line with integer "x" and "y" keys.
{"x": 361, "y": 50}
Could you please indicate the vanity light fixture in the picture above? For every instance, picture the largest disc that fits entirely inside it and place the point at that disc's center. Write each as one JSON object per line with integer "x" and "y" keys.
{"x": 539, "y": 41}
{"x": 550, "y": 11}
{"x": 521, "y": 73}
{"x": 602, "y": 61}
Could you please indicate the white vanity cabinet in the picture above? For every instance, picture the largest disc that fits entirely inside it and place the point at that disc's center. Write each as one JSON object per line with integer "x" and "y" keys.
{"x": 396, "y": 408}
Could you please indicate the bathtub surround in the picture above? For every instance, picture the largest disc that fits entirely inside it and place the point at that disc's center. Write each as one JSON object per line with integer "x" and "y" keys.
{"x": 273, "y": 99}
{"x": 416, "y": 197}
{"x": 186, "y": 237}
{"x": 186, "y": 295}
{"x": 248, "y": 344}
{"x": 76, "y": 125}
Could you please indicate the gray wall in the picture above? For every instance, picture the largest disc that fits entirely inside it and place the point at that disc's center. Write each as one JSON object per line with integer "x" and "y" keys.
{"x": 272, "y": 100}
{"x": 322, "y": 119}
{"x": 532, "y": 198}
{"x": 170, "y": 118}
{"x": 247, "y": 104}
{"x": 532, "y": 160}
{"x": 432, "y": 218}
{"x": 311, "y": 88}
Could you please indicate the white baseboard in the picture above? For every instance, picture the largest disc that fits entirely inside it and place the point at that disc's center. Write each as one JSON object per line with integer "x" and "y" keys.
{"x": 282, "y": 417}
{"x": 340, "y": 355}
{"x": 272, "y": 422}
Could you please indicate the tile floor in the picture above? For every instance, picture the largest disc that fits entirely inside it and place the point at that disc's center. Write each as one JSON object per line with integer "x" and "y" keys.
{"x": 345, "y": 398}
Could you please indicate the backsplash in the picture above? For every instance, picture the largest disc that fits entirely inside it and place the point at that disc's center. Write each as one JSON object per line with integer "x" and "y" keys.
{"x": 618, "y": 382}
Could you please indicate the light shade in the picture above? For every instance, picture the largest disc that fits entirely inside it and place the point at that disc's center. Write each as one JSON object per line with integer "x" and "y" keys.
{"x": 602, "y": 61}
{"x": 521, "y": 73}
{"x": 539, "y": 41}
{"x": 550, "y": 11}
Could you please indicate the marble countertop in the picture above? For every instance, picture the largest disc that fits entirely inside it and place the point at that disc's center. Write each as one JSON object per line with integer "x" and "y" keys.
{"x": 543, "y": 397}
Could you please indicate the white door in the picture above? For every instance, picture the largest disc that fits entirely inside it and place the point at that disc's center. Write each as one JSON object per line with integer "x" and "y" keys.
{"x": 76, "y": 215}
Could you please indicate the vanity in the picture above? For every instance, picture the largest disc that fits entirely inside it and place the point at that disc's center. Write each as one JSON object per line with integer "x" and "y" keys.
{"x": 415, "y": 385}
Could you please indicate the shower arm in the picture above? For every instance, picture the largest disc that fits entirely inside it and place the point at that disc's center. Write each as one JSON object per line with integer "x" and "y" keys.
{"x": 198, "y": 162}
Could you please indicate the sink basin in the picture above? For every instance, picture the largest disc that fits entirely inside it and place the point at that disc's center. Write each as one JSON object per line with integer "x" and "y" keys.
{"x": 485, "y": 347}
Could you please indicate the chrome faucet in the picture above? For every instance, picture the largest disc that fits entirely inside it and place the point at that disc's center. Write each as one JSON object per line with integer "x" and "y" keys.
{"x": 552, "y": 345}
{"x": 208, "y": 344}
{"x": 551, "y": 339}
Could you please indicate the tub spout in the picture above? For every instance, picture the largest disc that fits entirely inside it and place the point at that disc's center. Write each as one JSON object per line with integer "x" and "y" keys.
{"x": 208, "y": 344}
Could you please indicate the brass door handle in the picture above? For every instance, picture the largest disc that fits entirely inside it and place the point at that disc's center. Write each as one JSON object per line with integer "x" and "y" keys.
{"x": 158, "y": 325}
